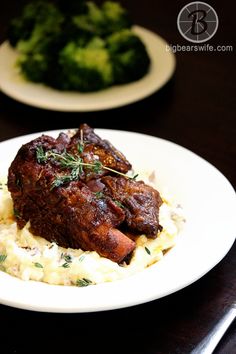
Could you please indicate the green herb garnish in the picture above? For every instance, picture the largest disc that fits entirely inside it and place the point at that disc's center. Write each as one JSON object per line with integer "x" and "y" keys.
{"x": 83, "y": 282}
{"x": 16, "y": 213}
{"x": 80, "y": 148}
{"x": 38, "y": 265}
{"x": 66, "y": 257}
{"x": 60, "y": 180}
{"x": 135, "y": 176}
{"x": 2, "y": 257}
{"x": 40, "y": 154}
{"x": 81, "y": 258}
{"x": 99, "y": 195}
{"x": 72, "y": 162}
{"x": 119, "y": 204}
{"x": 148, "y": 250}
{"x": 66, "y": 265}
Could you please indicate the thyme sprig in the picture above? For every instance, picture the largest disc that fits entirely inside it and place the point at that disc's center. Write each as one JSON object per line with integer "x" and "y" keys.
{"x": 68, "y": 260}
{"x": 38, "y": 265}
{"x": 83, "y": 282}
{"x": 74, "y": 163}
{"x": 2, "y": 257}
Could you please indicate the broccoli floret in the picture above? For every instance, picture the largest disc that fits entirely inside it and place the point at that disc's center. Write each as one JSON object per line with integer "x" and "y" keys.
{"x": 91, "y": 21}
{"x": 38, "y": 22}
{"x": 116, "y": 17}
{"x": 34, "y": 67}
{"x": 37, "y": 36}
{"x": 129, "y": 56}
{"x": 104, "y": 20}
{"x": 85, "y": 69}
{"x": 96, "y": 43}
{"x": 78, "y": 45}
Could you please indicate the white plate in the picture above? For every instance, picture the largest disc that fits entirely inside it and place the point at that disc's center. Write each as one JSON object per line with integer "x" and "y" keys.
{"x": 209, "y": 204}
{"x": 162, "y": 68}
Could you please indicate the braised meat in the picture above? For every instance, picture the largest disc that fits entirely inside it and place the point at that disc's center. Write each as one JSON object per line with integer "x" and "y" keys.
{"x": 62, "y": 187}
{"x": 140, "y": 202}
{"x": 94, "y": 148}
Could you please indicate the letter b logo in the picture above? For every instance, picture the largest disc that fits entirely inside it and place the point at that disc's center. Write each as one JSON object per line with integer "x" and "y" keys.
{"x": 197, "y": 22}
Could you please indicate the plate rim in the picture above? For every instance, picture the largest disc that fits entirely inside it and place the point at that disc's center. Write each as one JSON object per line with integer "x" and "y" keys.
{"x": 106, "y": 104}
{"x": 152, "y": 296}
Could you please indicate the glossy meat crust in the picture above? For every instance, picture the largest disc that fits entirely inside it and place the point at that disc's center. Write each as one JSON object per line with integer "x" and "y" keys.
{"x": 84, "y": 212}
{"x": 96, "y": 148}
{"x": 139, "y": 201}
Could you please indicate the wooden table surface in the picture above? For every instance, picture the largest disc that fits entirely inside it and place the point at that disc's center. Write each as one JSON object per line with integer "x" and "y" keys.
{"x": 196, "y": 109}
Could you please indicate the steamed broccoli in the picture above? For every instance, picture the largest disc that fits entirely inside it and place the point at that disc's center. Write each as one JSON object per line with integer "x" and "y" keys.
{"x": 36, "y": 35}
{"x": 78, "y": 45}
{"x": 38, "y": 22}
{"x": 34, "y": 67}
{"x": 104, "y": 20}
{"x": 85, "y": 69}
{"x": 116, "y": 17}
{"x": 129, "y": 56}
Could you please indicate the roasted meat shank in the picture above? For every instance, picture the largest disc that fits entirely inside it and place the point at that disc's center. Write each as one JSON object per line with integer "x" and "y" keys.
{"x": 74, "y": 192}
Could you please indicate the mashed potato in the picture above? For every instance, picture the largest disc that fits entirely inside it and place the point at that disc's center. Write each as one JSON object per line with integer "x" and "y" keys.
{"x": 30, "y": 257}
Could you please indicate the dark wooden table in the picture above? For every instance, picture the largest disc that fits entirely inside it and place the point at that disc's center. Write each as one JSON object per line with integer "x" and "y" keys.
{"x": 195, "y": 109}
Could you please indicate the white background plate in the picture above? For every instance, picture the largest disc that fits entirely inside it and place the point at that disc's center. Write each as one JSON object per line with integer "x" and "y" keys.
{"x": 209, "y": 204}
{"x": 162, "y": 68}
